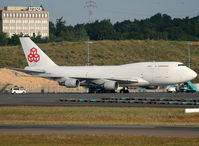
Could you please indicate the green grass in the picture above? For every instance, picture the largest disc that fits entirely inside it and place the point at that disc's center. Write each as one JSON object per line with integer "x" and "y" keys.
{"x": 93, "y": 140}
{"x": 97, "y": 115}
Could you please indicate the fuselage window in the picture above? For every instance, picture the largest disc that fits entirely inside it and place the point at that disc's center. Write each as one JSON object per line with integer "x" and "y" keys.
{"x": 181, "y": 65}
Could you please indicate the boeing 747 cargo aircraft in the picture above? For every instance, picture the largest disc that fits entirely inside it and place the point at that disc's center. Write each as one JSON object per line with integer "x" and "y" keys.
{"x": 107, "y": 78}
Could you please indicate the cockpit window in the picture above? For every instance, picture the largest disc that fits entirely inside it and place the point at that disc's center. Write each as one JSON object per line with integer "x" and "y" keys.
{"x": 181, "y": 65}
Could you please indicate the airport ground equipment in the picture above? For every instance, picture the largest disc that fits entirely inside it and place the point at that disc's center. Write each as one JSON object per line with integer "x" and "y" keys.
{"x": 172, "y": 89}
{"x": 185, "y": 87}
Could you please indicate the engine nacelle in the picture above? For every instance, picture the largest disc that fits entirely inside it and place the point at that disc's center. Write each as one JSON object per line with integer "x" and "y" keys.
{"x": 111, "y": 85}
{"x": 72, "y": 83}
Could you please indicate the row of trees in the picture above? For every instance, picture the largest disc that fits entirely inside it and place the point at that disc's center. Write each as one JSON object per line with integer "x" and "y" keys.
{"x": 159, "y": 26}
{"x": 14, "y": 40}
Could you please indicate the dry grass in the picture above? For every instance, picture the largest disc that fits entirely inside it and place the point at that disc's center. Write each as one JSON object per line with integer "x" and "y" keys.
{"x": 78, "y": 140}
{"x": 97, "y": 115}
{"x": 31, "y": 83}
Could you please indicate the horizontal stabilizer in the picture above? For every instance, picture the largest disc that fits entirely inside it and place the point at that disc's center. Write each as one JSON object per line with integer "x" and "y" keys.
{"x": 27, "y": 71}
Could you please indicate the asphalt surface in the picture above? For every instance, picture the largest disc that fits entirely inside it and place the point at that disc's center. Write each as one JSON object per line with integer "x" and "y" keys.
{"x": 101, "y": 130}
{"x": 54, "y": 99}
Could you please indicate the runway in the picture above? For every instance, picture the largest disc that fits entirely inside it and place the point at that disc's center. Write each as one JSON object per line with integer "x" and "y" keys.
{"x": 101, "y": 130}
{"x": 87, "y": 95}
{"x": 54, "y": 99}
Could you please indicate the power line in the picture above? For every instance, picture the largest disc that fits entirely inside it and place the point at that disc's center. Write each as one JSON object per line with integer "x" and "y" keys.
{"x": 90, "y": 5}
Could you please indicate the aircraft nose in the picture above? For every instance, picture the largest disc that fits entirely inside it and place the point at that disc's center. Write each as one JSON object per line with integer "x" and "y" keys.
{"x": 192, "y": 74}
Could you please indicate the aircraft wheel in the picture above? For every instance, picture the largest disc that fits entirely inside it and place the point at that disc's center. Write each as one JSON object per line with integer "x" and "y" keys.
{"x": 124, "y": 91}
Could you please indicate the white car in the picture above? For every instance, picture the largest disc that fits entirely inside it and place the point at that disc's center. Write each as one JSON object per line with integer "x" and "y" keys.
{"x": 171, "y": 89}
{"x": 17, "y": 90}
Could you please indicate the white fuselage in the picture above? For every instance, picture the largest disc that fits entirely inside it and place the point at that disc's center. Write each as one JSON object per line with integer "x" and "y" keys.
{"x": 107, "y": 77}
{"x": 147, "y": 73}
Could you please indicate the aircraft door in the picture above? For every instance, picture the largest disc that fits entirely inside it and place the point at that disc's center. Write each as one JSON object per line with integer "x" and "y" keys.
{"x": 161, "y": 73}
{"x": 148, "y": 73}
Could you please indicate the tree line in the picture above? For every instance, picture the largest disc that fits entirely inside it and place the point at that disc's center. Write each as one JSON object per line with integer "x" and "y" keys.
{"x": 158, "y": 27}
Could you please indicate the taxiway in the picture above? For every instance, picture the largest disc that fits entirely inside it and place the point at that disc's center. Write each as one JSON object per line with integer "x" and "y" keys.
{"x": 101, "y": 130}
{"x": 55, "y": 99}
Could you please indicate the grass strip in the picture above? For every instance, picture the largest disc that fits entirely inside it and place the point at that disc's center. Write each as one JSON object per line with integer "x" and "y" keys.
{"x": 97, "y": 115}
{"x": 95, "y": 140}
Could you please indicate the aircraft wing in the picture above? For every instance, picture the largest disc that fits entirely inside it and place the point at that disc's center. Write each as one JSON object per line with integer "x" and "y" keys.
{"x": 125, "y": 81}
{"x": 120, "y": 81}
{"x": 27, "y": 71}
{"x": 48, "y": 75}
{"x": 56, "y": 77}
{"x": 43, "y": 74}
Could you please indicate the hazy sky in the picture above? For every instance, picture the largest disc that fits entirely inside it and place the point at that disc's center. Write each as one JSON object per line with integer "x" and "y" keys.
{"x": 74, "y": 12}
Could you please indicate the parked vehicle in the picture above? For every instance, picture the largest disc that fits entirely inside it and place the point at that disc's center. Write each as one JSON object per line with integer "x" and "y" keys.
{"x": 171, "y": 89}
{"x": 17, "y": 90}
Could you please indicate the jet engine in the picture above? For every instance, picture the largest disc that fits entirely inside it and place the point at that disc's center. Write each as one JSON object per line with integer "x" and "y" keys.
{"x": 111, "y": 85}
{"x": 72, "y": 83}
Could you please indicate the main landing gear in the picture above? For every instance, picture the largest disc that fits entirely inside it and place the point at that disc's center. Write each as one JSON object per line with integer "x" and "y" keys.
{"x": 124, "y": 90}
{"x": 100, "y": 90}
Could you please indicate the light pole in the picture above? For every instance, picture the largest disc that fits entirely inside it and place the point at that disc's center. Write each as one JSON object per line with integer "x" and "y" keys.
{"x": 88, "y": 51}
{"x": 189, "y": 54}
